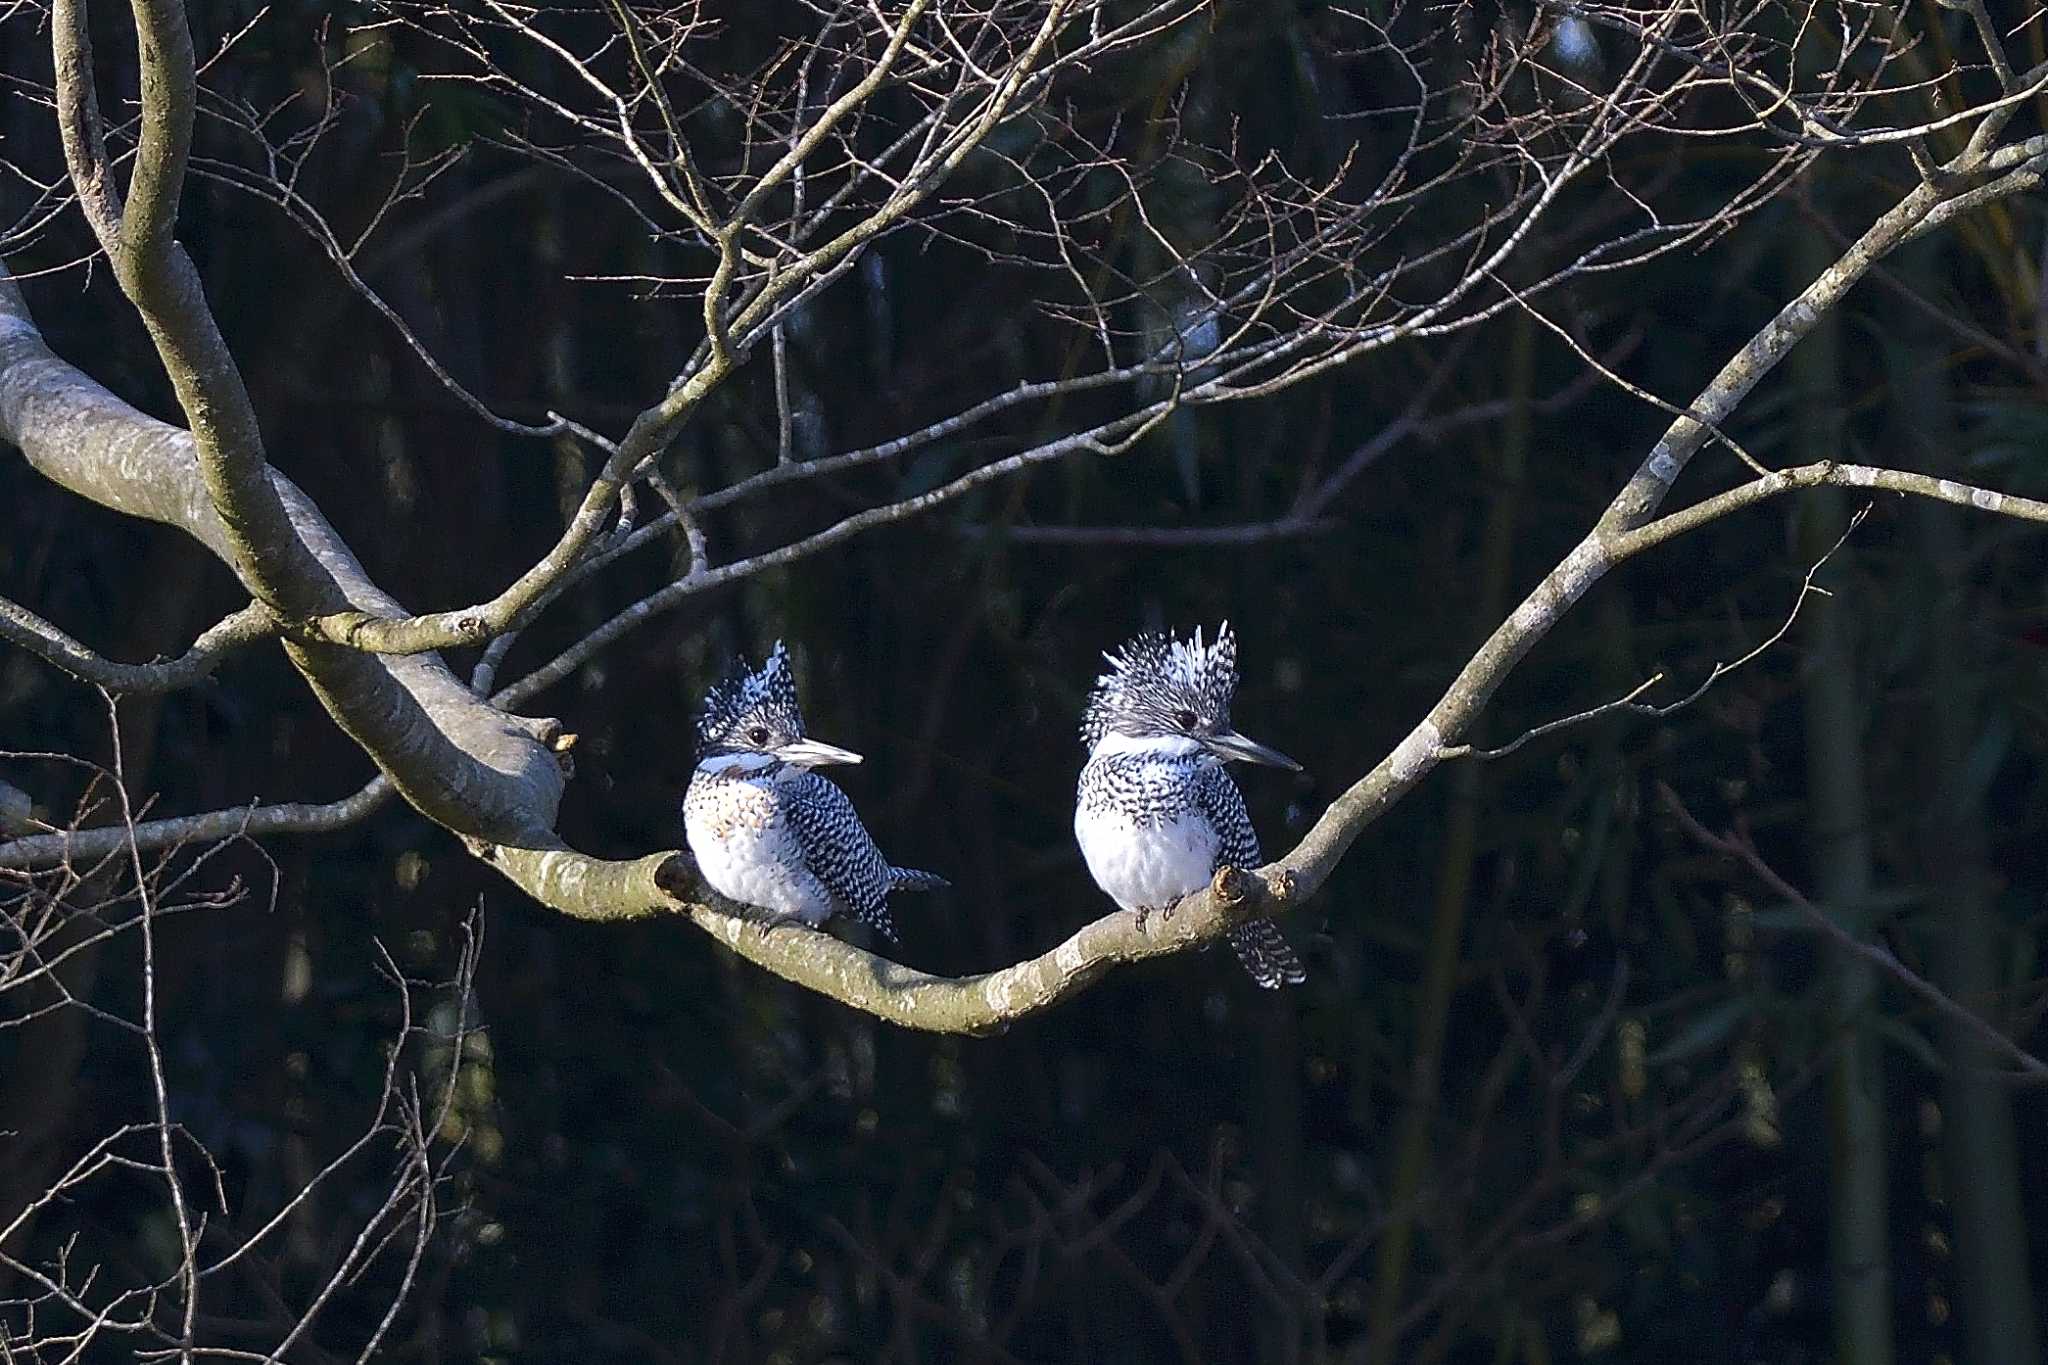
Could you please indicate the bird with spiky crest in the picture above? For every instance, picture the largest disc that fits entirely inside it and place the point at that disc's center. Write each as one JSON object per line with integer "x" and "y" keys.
{"x": 1156, "y": 814}
{"x": 768, "y": 831}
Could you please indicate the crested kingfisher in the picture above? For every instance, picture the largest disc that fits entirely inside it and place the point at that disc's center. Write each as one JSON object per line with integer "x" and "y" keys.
{"x": 768, "y": 831}
{"x": 1156, "y": 814}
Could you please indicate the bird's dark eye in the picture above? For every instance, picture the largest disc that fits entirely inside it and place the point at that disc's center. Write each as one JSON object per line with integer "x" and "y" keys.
{"x": 758, "y": 735}
{"x": 1184, "y": 718}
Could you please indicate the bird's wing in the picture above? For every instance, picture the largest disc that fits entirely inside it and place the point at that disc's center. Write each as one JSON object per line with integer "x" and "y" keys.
{"x": 1217, "y": 797}
{"x": 1258, "y": 944}
{"x": 838, "y": 850}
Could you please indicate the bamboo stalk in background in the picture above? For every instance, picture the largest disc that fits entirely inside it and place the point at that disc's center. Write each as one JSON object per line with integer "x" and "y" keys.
{"x": 1454, "y": 878}
{"x": 1995, "y": 1301}
{"x": 1838, "y": 824}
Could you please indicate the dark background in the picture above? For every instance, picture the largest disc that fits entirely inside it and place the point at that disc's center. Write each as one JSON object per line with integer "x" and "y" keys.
{"x": 667, "y": 1154}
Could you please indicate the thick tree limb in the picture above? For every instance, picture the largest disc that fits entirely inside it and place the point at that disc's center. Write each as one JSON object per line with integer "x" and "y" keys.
{"x": 259, "y": 538}
{"x": 80, "y": 126}
{"x": 170, "y": 102}
{"x": 462, "y": 762}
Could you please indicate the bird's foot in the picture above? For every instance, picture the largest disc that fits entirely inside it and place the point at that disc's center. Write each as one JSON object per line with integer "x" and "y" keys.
{"x": 1165, "y": 912}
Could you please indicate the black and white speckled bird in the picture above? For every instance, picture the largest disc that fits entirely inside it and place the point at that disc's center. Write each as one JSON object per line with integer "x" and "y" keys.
{"x": 769, "y": 832}
{"x": 1156, "y": 814}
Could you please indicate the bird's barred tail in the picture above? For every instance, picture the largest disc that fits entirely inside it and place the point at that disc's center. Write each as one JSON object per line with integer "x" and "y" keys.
{"x": 910, "y": 879}
{"x": 878, "y": 918}
{"x": 1266, "y": 955}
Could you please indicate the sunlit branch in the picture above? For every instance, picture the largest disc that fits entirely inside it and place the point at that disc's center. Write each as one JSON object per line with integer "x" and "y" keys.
{"x": 664, "y": 883}
{"x": 470, "y": 766}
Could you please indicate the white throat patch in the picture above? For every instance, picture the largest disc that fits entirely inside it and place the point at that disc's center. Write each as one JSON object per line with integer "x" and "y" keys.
{"x": 1148, "y": 746}
{"x": 737, "y": 765}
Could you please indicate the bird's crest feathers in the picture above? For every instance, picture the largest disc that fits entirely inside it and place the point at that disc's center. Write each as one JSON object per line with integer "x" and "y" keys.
{"x": 763, "y": 698}
{"x": 1155, "y": 677}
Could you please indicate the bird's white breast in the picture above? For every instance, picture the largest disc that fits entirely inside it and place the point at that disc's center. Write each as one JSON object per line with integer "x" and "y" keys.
{"x": 746, "y": 849}
{"x": 1146, "y": 863}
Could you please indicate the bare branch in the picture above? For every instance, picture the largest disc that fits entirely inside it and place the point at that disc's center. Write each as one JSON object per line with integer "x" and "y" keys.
{"x": 1295, "y": 276}
{"x": 1722, "y": 667}
{"x": 1737, "y": 845}
{"x": 1159, "y": 537}
{"x": 79, "y": 121}
{"x": 22, "y": 627}
{"x": 468, "y": 765}
{"x": 159, "y": 280}
{"x": 64, "y": 1303}
{"x": 89, "y": 845}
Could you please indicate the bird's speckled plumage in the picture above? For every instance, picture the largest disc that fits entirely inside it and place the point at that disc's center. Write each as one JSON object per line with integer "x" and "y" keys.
{"x": 1154, "y": 676}
{"x": 765, "y": 829}
{"x": 1156, "y": 814}
{"x": 764, "y": 696}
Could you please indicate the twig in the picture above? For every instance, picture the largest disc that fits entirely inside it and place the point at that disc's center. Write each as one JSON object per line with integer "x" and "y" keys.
{"x": 2030, "y": 1070}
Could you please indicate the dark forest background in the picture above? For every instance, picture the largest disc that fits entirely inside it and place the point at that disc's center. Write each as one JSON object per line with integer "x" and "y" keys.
{"x": 1558, "y": 1086}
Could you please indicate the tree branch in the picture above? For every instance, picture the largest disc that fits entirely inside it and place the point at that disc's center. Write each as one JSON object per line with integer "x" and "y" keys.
{"x": 2029, "y": 1068}
{"x": 463, "y": 763}
{"x": 491, "y": 778}
{"x": 987, "y": 1002}
{"x": 1109, "y": 438}
{"x": 79, "y": 124}
{"x": 88, "y": 845}
{"x": 730, "y": 340}
{"x": 22, "y": 627}
{"x": 17, "y": 808}
{"x": 1157, "y": 537}
{"x": 1831, "y": 474}
{"x": 589, "y": 888}
{"x": 170, "y": 100}
{"x": 261, "y": 541}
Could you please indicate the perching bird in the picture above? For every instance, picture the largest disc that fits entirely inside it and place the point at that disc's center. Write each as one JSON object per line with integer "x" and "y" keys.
{"x": 1156, "y": 814}
{"x": 769, "y": 832}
